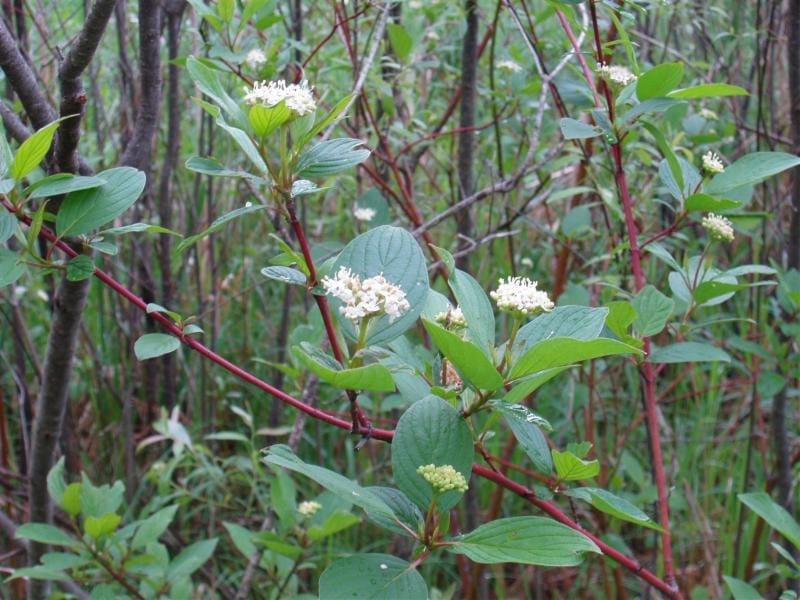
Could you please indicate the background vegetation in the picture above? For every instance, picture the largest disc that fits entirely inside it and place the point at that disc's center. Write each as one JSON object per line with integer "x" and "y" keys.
{"x": 488, "y": 142}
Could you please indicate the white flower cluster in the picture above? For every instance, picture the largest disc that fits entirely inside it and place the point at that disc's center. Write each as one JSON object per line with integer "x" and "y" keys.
{"x": 616, "y": 74}
{"x": 364, "y": 213}
{"x": 297, "y": 98}
{"x": 452, "y": 318}
{"x": 308, "y": 508}
{"x": 520, "y": 295}
{"x": 712, "y": 163}
{"x": 443, "y": 479}
{"x": 367, "y": 298}
{"x": 718, "y": 227}
{"x": 255, "y": 59}
{"x": 509, "y": 66}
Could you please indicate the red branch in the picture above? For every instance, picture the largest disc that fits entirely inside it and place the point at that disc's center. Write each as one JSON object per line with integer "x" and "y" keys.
{"x": 647, "y": 369}
{"x": 379, "y": 434}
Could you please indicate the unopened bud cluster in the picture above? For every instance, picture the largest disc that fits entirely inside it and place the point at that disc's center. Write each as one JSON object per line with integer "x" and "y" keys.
{"x": 364, "y": 213}
{"x": 443, "y": 478}
{"x": 712, "y": 163}
{"x": 718, "y": 227}
{"x": 366, "y": 298}
{"x": 452, "y": 318}
{"x": 308, "y": 508}
{"x": 616, "y": 74}
{"x": 520, "y": 296}
{"x": 297, "y": 97}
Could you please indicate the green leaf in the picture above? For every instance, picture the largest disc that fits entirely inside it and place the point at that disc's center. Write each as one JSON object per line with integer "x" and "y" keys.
{"x": 191, "y": 558}
{"x": 373, "y": 377}
{"x": 329, "y": 157}
{"x": 80, "y": 267}
{"x": 477, "y": 309}
{"x": 688, "y": 352}
{"x": 72, "y": 499}
{"x": 45, "y": 534}
{"x": 372, "y": 577}
{"x": 621, "y": 315}
{"x": 8, "y": 225}
{"x": 97, "y": 527}
{"x": 285, "y": 275}
{"x": 225, "y": 10}
{"x": 395, "y": 253}
{"x": 210, "y": 166}
{"x": 774, "y": 514}
{"x": 688, "y": 174}
{"x": 266, "y": 119}
{"x": 572, "y": 129}
{"x": 525, "y": 540}
{"x": 741, "y": 590}
{"x": 526, "y": 428}
{"x": 61, "y": 183}
{"x": 218, "y": 224}
{"x": 338, "y": 521}
{"x": 56, "y": 483}
{"x": 430, "y": 432}
{"x": 137, "y": 228}
{"x": 706, "y": 203}
{"x": 653, "y": 105}
{"x": 468, "y": 358}
{"x": 401, "y": 42}
{"x": 350, "y": 491}
{"x": 750, "y": 169}
{"x": 560, "y": 351}
{"x": 152, "y": 527}
{"x": 32, "y": 151}
{"x": 708, "y": 290}
{"x": 571, "y": 468}
{"x": 63, "y": 560}
{"x": 669, "y": 155}
{"x": 405, "y": 511}
{"x": 709, "y": 90}
{"x": 615, "y": 506}
{"x": 151, "y": 345}
{"x": 242, "y": 538}
{"x": 329, "y": 119}
{"x": 207, "y": 80}
{"x": 652, "y": 311}
{"x": 99, "y": 500}
{"x": 39, "y": 572}
{"x": 527, "y": 385}
{"x": 246, "y": 144}
{"x": 659, "y": 81}
{"x": 578, "y": 322}
{"x": 85, "y": 210}
{"x": 11, "y": 267}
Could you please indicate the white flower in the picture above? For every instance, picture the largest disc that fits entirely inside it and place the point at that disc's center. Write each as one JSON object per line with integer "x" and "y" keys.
{"x": 708, "y": 115}
{"x": 526, "y": 261}
{"x": 363, "y": 213}
{"x": 519, "y": 295}
{"x": 616, "y": 74}
{"x": 712, "y": 163}
{"x": 509, "y": 65}
{"x": 452, "y": 318}
{"x": 368, "y": 298}
{"x": 308, "y": 508}
{"x": 297, "y": 98}
{"x": 718, "y": 227}
{"x": 255, "y": 58}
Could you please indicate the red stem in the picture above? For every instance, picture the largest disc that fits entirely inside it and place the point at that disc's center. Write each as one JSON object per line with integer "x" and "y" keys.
{"x": 360, "y": 422}
{"x": 647, "y": 369}
{"x": 378, "y": 434}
